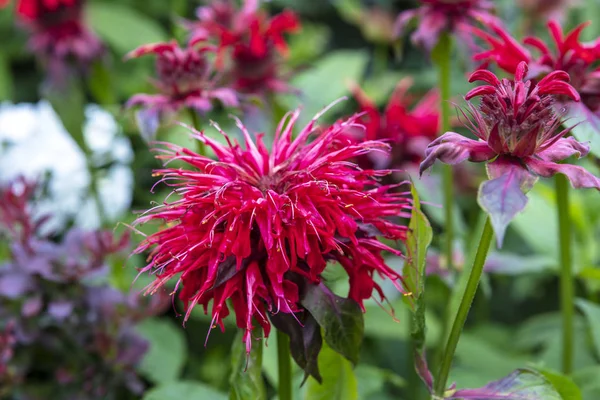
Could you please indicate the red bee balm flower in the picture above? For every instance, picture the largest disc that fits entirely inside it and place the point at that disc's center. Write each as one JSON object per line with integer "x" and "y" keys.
{"x": 185, "y": 79}
{"x": 258, "y": 226}
{"x": 253, "y": 38}
{"x": 580, "y": 60}
{"x": 518, "y": 129}
{"x": 439, "y": 16}
{"x": 409, "y": 131}
{"x": 59, "y": 35}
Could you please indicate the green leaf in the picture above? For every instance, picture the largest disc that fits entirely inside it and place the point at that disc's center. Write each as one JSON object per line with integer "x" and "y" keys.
{"x": 588, "y": 380}
{"x": 372, "y": 381}
{"x": 184, "y": 390}
{"x": 69, "y": 104}
{"x": 165, "y": 359}
{"x": 591, "y": 312}
{"x": 564, "y": 385}
{"x": 100, "y": 84}
{"x": 327, "y": 81}
{"x": 341, "y": 319}
{"x": 522, "y": 384}
{"x": 339, "y": 382}
{"x": 123, "y": 27}
{"x": 6, "y": 78}
{"x": 246, "y": 381}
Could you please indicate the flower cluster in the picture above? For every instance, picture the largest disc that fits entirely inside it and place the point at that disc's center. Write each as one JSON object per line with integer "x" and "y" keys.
{"x": 259, "y": 227}
{"x": 518, "y": 131}
{"x": 59, "y": 35}
{"x": 252, "y": 40}
{"x": 53, "y": 296}
{"x": 185, "y": 79}
{"x": 408, "y": 130}
{"x": 580, "y": 60}
{"x": 437, "y": 17}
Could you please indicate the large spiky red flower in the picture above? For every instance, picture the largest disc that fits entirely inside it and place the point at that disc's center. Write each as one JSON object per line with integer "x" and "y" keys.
{"x": 259, "y": 226}
{"x": 408, "y": 130}
{"x": 436, "y": 17}
{"x": 59, "y": 35}
{"x": 519, "y": 132}
{"x": 253, "y": 38}
{"x": 185, "y": 79}
{"x": 580, "y": 60}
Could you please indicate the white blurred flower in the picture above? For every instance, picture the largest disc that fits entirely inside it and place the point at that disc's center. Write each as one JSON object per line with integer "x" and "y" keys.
{"x": 34, "y": 144}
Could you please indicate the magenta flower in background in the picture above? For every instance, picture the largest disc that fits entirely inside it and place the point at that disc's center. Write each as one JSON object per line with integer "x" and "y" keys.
{"x": 185, "y": 79}
{"x": 406, "y": 127}
{"x": 252, "y": 39}
{"x": 436, "y": 17}
{"x": 59, "y": 35}
{"x": 258, "y": 226}
{"x": 519, "y": 133}
{"x": 580, "y": 60}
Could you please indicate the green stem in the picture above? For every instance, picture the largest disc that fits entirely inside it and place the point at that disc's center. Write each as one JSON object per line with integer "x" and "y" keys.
{"x": 463, "y": 309}
{"x": 284, "y": 365}
{"x": 566, "y": 273}
{"x": 443, "y": 58}
{"x": 196, "y": 125}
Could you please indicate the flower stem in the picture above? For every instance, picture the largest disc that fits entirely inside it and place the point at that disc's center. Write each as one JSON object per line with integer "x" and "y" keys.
{"x": 463, "y": 309}
{"x": 284, "y": 365}
{"x": 566, "y": 274}
{"x": 196, "y": 125}
{"x": 443, "y": 59}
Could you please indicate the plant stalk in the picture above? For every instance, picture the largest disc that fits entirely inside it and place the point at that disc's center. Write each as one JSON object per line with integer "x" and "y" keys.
{"x": 567, "y": 286}
{"x": 443, "y": 58}
{"x": 463, "y": 309}
{"x": 284, "y": 366}
{"x": 201, "y": 149}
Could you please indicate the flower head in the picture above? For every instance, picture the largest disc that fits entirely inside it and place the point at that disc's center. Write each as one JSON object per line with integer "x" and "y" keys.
{"x": 59, "y": 35}
{"x": 519, "y": 131}
{"x": 408, "y": 130}
{"x": 253, "y": 38}
{"x": 185, "y": 78}
{"x": 258, "y": 226}
{"x": 580, "y": 60}
{"x": 444, "y": 16}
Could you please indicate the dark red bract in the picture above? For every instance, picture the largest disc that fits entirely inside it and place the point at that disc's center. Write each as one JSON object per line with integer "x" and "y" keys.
{"x": 257, "y": 225}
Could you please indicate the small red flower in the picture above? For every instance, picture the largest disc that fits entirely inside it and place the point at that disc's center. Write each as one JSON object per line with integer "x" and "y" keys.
{"x": 257, "y": 226}
{"x": 185, "y": 78}
{"x": 59, "y": 35}
{"x": 254, "y": 40}
{"x": 439, "y": 16}
{"x": 519, "y": 133}
{"x": 580, "y": 60}
{"x": 408, "y": 130}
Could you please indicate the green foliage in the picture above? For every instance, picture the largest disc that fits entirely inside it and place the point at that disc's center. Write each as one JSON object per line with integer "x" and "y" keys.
{"x": 246, "y": 380}
{"x": 339, "y": 381}
{"x": 184, "y": 390}
{"x": 165, "y": 359}
{"x": 123, "y": 27}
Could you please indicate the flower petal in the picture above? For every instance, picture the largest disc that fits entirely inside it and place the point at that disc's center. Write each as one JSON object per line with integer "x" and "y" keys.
{"x": 564, "y": 148}
{"x": 579, "y": 176}
{"x": 502, "y": 197}
{"x": 453, "y": 148}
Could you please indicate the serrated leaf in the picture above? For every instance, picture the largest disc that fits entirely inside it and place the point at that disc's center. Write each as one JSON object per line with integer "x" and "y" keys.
{"x": 123, "y": 27}
{"x": 184, "y": 390}
{"x": 341, "y": 319}
{"x": 246, "y": 381}
{"x": 166, "y": 356}
{"x": 339, "y": 382}
{"x": 305, "y": 339}
{"x": 522, "y": 384}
